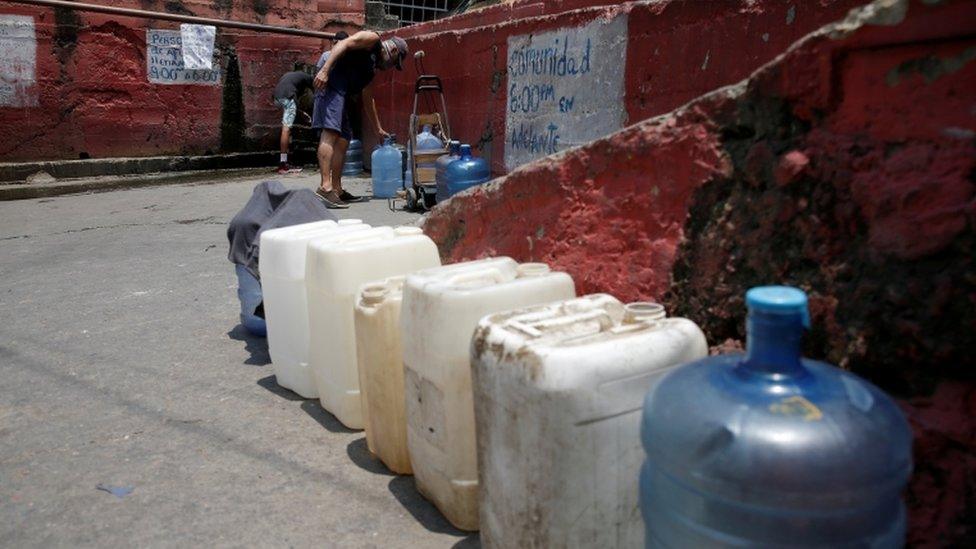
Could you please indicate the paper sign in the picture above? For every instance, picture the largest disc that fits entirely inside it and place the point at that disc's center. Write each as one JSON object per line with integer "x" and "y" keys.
{"x": 198, "y": 45}
{"x": 164, "y": 61}
{"x": 18, "y": 61}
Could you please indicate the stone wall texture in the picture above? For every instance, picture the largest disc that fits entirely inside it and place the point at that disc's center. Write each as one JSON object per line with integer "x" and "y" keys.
{"x": 846, "y": 166}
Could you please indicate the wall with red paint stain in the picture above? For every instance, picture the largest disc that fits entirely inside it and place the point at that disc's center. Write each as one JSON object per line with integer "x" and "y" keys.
{"x": 93, "y": 96}
{"x": 676, "y": 50}
{"x": 845, "y": 167}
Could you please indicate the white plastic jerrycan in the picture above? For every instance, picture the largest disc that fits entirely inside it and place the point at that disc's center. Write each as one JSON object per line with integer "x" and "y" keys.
{"x": 380, "y": 357}
{"x": 337, "y": 267}
{"x": 282, "y": 269}
{"x": 441, "y": 308}
{"x": 558, "y": 392}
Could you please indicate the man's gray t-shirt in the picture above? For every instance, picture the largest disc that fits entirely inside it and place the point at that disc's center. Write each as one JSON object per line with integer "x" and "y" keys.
{"x": 292, "y": 85}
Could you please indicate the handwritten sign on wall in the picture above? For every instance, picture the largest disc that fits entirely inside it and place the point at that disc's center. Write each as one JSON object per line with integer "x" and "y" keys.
{"x": 565, "y": 88}
{"x": 164, "y": 61}
{"x": 18, "y": 61}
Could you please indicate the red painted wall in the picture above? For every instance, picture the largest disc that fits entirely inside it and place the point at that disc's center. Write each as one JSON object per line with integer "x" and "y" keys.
{"x": 668, "y": 44}
{"x": 94, "y": 96}
{"x": 844, "y": 167}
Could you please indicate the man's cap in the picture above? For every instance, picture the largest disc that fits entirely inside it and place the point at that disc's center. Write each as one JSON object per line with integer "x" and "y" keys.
{"x": 400, "y": 45}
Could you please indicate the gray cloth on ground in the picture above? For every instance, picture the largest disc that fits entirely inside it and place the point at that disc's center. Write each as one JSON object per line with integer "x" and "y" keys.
{"x": 271, "y": 206}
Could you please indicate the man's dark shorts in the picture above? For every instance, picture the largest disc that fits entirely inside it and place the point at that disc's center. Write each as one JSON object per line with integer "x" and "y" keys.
{"x": 329, "y": 113}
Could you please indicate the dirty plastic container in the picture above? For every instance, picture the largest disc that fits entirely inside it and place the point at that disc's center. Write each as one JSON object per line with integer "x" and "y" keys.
{"x": 337, "y": 266}
{"x": 387, "y": 169}
{"x": 440, "y": 175}
{"x": 283, "y": 277}
{"x": 558, "y": 390}
{"x": 427, "y": 141}
{"x": 380, "y": 357}
{"x": 354, "y": 158}
{"x": 249, "y": 294}
{"x": 441, "y": 309}
{"x": 466, "y": 172}
{"x": 769, "y": 449}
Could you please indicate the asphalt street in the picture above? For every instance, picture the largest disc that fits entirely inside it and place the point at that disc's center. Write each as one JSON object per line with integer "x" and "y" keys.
{"x": 122, "y": 365}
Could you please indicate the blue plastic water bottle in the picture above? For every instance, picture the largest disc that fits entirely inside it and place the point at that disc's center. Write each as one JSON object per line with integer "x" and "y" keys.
{"x": 466, "y": 172}
{"x": 427, "y": 141}
{"x": 250, "y": 296}
{"x": 769, "y": 449}
{"x": 387, "y": 170}
{"x": 443, "y": 161}
{"x": 354, "y": 158}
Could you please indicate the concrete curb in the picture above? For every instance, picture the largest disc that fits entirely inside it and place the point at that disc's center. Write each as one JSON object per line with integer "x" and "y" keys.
{"x": 109, "y": 183}
{"x": 18, "y": 172}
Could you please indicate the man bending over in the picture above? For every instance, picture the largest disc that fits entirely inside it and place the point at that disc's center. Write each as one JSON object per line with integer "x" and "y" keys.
{"x": 349, "y": 70}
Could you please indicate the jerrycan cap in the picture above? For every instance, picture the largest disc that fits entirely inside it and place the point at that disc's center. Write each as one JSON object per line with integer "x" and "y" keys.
{"x": 780, "y": 300}
{"x": 407, "y": 230}
{"x": 525, "y": 270}
{"x": 643, "y": 311}
{"x": 374, "y": 293}
{"x": 426, "y": 128}
{"x": 465, "y": 151}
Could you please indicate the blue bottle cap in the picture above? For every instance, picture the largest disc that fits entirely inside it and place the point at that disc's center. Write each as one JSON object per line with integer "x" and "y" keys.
{"x": 465, "y": 150}
{"x": 779, "y": 300}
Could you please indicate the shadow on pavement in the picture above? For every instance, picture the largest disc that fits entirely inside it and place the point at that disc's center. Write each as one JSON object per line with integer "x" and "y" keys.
{"x": 257, "y": 346}
{"x": 359, "y": 453}
{"x": 271, "y": 384}
{"x": 324, "y": 418}
{"x": 471, "y": 542}
{"x": 405, "y": 491}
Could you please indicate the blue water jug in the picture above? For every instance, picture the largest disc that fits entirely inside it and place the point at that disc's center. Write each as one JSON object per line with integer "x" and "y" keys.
{"x": 249, "y": 294}
{"x": 354, "y": 158}
{"x": 387, "y": 170}
{"x": 427, "y": 141}
{"x": 769, "y": 449}
{"x": 440, "y": 176}
{"x": 466, "y": 172}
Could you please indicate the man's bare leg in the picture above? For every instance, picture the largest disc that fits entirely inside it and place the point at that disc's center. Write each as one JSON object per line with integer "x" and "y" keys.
{"x": 338, "y": 160}
{"x": 326, "y": 152}
{"x": 285, "y": 139}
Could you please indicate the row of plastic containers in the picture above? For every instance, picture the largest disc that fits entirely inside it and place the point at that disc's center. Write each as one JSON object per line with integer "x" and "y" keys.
{"x": 518, "y": 406}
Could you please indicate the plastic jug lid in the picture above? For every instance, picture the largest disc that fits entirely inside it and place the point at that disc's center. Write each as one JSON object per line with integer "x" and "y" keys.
{"x": 426, "y": 128}
{"x": 406, "y": 230}
{"x": 465, "y": 150}
{"x": 643, "y": 311}
{"x": 779, "y": 300}
{"x": 532, "y": 269}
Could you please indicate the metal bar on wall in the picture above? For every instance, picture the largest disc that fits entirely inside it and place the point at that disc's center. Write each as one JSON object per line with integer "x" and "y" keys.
{"x": 128, "y": 12}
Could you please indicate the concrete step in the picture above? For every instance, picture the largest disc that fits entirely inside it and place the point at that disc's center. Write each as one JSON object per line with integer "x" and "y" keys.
{"x": 19, "y": 172}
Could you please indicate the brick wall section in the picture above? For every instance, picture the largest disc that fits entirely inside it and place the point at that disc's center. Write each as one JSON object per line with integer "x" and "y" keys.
{"x": 844, "y": 167}
{"x": 94, "y": 96}
{"x": 667, "y": 45}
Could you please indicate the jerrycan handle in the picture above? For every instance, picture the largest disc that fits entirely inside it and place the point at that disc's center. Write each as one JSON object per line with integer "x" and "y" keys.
{"x": 575, "y": 325}
{"x": 488, "y": 276}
